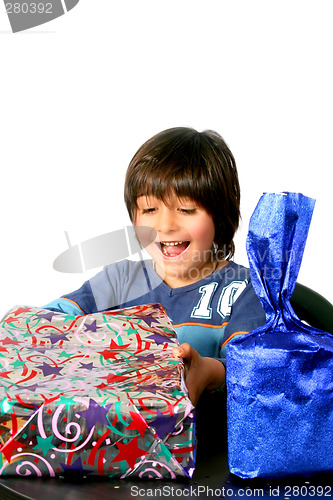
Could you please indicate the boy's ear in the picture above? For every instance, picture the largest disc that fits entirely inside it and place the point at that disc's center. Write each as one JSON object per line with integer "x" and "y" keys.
{"x": 28, "y": 14}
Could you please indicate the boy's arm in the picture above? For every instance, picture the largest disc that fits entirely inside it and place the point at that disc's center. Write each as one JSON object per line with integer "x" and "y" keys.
{"x": 83, "y": 300}
{"x": 76, "y": 303}
{"x": 201, "y": 373}
{"x": 114, "y": 285}
{"x": 64, "y": 306}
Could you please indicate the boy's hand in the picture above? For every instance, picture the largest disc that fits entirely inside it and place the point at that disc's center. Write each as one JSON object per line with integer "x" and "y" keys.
{"x": 200, "y": 372}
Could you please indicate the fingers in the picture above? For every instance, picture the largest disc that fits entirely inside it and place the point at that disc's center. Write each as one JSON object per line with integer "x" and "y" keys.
{"x": 177, "y": 352}
{"x": 182, "y": 351}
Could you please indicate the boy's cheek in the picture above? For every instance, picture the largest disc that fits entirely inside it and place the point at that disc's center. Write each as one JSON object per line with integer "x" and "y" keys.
{"x": 146, "y": 236}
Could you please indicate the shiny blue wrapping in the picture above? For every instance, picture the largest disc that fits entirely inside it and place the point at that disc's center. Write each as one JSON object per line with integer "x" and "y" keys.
{"x": 279, "y": 376}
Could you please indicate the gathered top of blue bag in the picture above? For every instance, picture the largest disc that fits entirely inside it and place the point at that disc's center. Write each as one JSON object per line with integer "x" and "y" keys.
{"x": 275, "y": 244}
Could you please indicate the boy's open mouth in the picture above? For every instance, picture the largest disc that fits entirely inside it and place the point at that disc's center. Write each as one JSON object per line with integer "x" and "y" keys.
{"x": 173, "y": 248}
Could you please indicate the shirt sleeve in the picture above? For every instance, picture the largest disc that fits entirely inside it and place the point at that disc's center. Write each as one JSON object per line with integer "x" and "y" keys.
{"x": 96, "y": 294}
{"x": 64, "y": 306}
{"x": 113, "y": 286}
{"x": 78, "y": 303}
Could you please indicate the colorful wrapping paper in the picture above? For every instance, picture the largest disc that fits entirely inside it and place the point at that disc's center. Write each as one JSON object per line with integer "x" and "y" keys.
{"x": 280, "y": 376}
{"x": 98, "y": 394}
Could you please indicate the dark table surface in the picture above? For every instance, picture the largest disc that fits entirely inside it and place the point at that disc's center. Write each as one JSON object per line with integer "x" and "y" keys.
{"x": 211, "y": 478}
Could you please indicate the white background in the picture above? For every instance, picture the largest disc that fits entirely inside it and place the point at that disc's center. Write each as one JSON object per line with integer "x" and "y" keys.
{"x": 80, "y": 94}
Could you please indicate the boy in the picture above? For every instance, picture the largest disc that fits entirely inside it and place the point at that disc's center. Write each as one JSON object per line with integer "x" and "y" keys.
{"x": 182, "y": 187}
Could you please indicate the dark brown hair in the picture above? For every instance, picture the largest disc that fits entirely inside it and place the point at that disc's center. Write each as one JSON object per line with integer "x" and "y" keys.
{"x": 197, "y": 165}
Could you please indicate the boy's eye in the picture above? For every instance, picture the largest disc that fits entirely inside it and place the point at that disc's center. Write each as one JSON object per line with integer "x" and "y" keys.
{"x": 148, "y": 210}
{"x": 188, "y": 211}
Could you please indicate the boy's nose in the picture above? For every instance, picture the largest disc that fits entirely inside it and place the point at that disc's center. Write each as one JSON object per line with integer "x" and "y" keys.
{"x": 166, "y": 221}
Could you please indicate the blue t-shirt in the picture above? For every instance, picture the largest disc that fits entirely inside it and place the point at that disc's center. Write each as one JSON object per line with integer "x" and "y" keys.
{"x": 206, "y": 314}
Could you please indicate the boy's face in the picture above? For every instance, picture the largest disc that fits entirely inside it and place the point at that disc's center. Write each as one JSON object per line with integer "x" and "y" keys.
{"x": 182, "y": 249}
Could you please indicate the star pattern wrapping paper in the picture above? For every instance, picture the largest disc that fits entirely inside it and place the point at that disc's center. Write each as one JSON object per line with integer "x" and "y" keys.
{"x": 98, "y": 394}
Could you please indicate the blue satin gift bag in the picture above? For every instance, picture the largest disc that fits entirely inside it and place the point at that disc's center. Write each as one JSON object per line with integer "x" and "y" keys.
{"x": 279, "y": 376}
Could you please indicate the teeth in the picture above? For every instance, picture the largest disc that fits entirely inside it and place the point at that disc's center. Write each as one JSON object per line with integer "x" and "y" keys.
{"x": 172, "y": 244}
{"x": 165, "y": 244}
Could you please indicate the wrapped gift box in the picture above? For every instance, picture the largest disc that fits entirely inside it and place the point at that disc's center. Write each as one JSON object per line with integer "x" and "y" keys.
{"x": 97, "y": 394}
{"x": 280, "y": 376}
